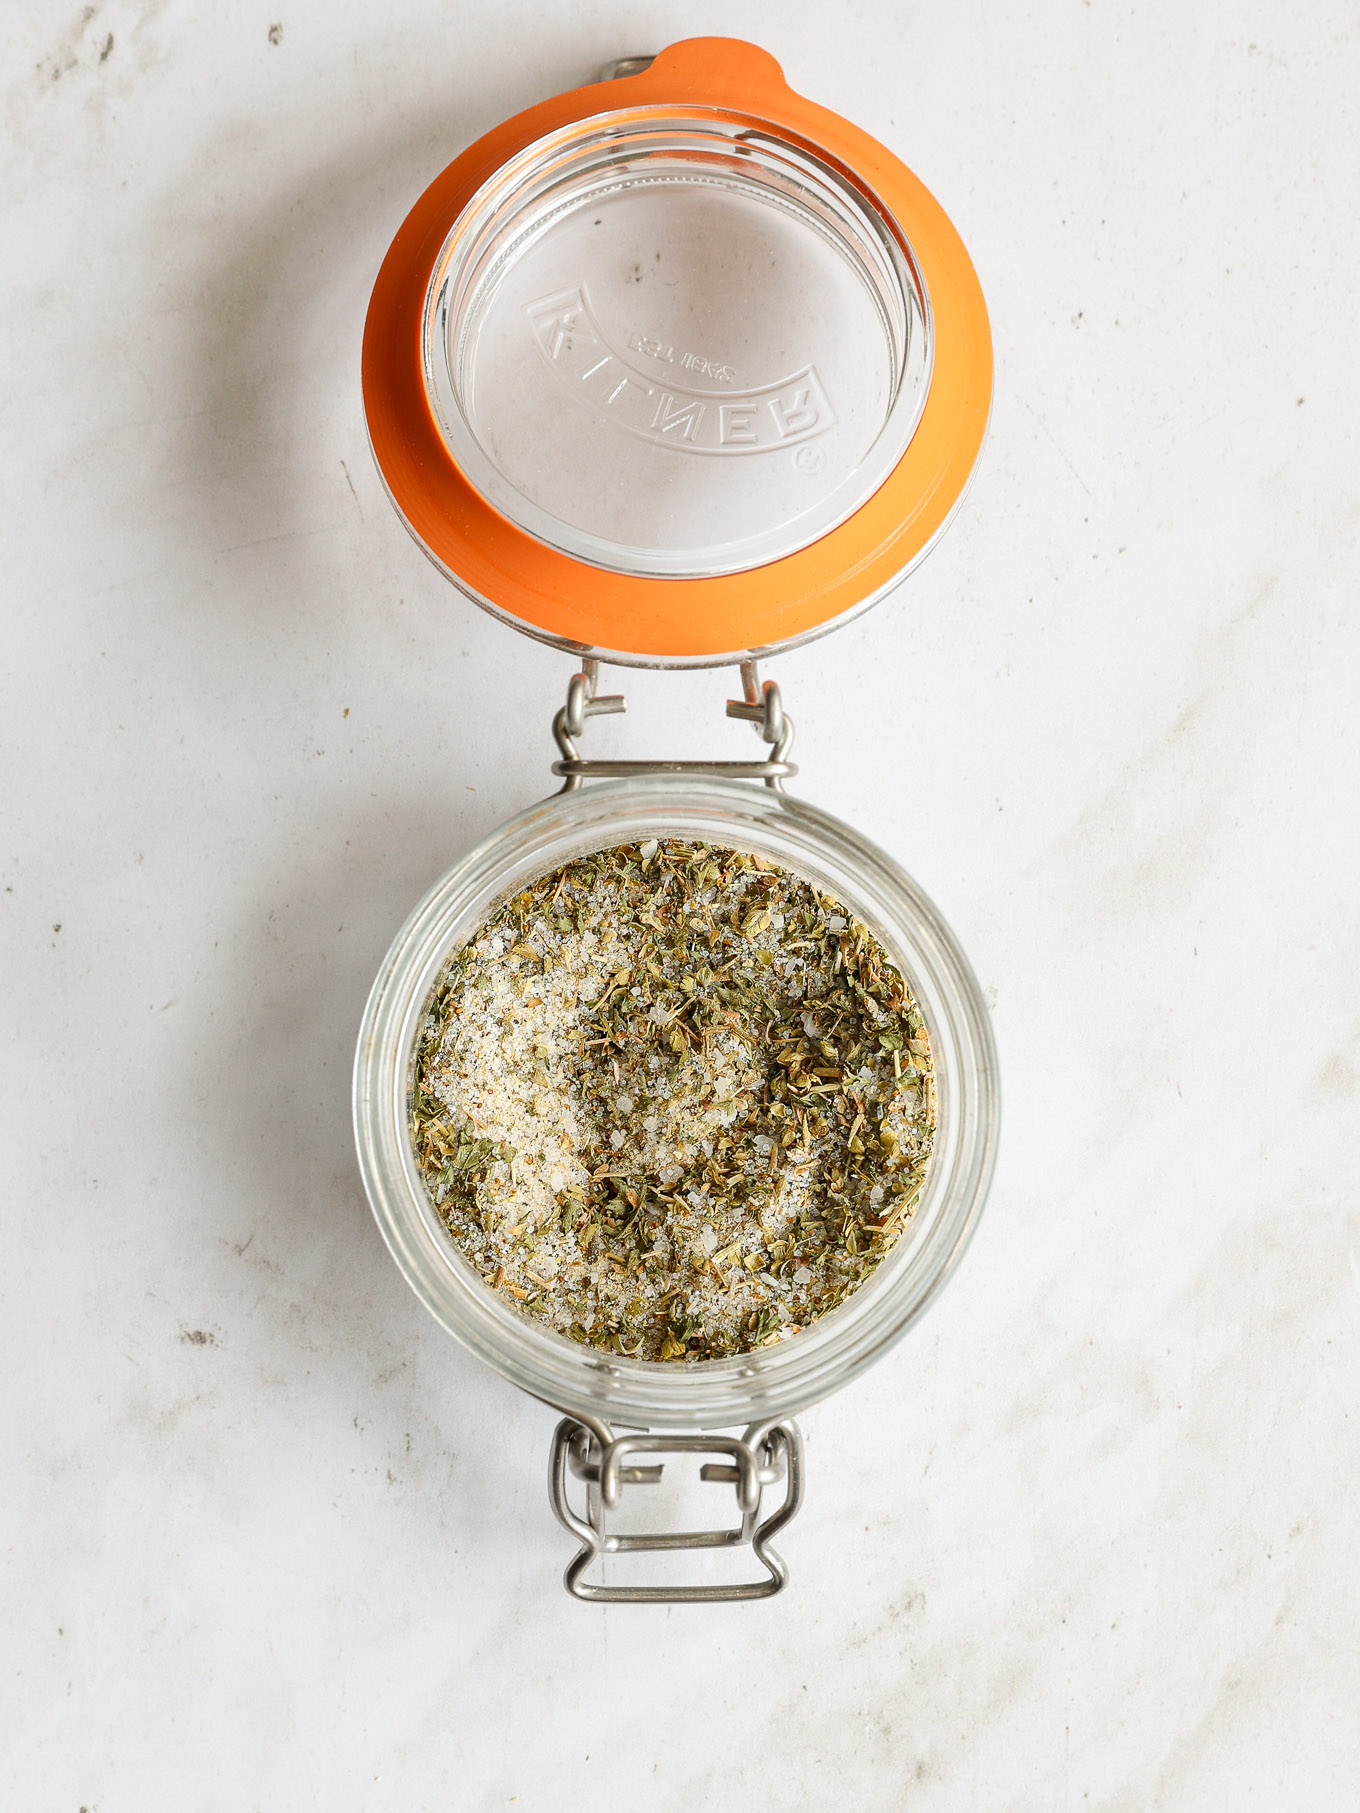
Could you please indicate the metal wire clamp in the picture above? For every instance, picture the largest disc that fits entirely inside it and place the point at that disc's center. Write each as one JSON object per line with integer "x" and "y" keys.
{"x": 761, "y": 706}
{"x": 763, "y": 1455}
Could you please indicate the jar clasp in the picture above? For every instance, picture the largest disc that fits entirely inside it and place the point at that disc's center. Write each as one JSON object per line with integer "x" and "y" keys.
{"x": 762, "y": 1456}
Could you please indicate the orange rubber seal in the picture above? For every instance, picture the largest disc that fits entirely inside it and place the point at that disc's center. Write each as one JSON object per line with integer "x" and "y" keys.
{"x": 557, "y": 598}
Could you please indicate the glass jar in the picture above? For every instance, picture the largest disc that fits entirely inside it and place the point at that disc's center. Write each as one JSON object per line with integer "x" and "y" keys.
{"x": 679, "y": 369}
{"x": 601, "y": 1390}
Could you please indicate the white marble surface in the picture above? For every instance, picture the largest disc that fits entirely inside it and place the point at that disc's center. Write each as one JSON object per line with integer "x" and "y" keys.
{"x": 1088, "y": 1536}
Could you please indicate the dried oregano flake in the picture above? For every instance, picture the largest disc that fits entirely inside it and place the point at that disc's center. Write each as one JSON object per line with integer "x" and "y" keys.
{"x": 673, "y": 1101}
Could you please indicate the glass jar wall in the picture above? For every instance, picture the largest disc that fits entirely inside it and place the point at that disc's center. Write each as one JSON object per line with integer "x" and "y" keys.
{"x": 773, "y": 1381}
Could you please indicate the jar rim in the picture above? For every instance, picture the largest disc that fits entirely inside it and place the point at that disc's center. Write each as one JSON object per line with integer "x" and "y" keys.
{"x": 773, "y": 1381}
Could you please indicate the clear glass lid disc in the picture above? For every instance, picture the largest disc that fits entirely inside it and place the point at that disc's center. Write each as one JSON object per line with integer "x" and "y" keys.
{"x": 675, "y": 346}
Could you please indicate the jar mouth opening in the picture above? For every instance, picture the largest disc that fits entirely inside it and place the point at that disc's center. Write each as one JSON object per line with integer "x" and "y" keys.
{"x": 768, "y": 1382}
{"x": 673, "y": 343}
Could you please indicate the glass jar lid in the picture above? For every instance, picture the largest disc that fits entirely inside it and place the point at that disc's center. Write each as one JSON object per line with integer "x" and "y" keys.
{"x": 678, "y": 367}
{"x": 670, "y": 344}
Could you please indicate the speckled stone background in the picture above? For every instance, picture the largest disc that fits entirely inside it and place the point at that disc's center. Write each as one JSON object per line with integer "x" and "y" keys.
{"x": 1087, "y": 1538}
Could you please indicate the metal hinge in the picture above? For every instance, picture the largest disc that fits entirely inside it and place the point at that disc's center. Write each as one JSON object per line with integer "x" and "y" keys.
{"x": 760, "y": 705}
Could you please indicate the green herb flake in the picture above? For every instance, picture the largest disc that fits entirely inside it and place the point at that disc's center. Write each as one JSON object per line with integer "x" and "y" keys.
{"x": 673, "y": 1101}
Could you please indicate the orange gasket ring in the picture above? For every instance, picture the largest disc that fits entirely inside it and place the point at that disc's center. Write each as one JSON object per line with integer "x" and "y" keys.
{"x": 549, "y": 594}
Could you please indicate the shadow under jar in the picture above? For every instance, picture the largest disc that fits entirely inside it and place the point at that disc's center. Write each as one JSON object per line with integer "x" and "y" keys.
{"x": 678, "y": 370}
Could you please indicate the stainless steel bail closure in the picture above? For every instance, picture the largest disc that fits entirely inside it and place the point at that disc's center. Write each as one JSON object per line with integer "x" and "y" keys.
{"x": 760, "y": 706}
{"x": 762, "y": 1456}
